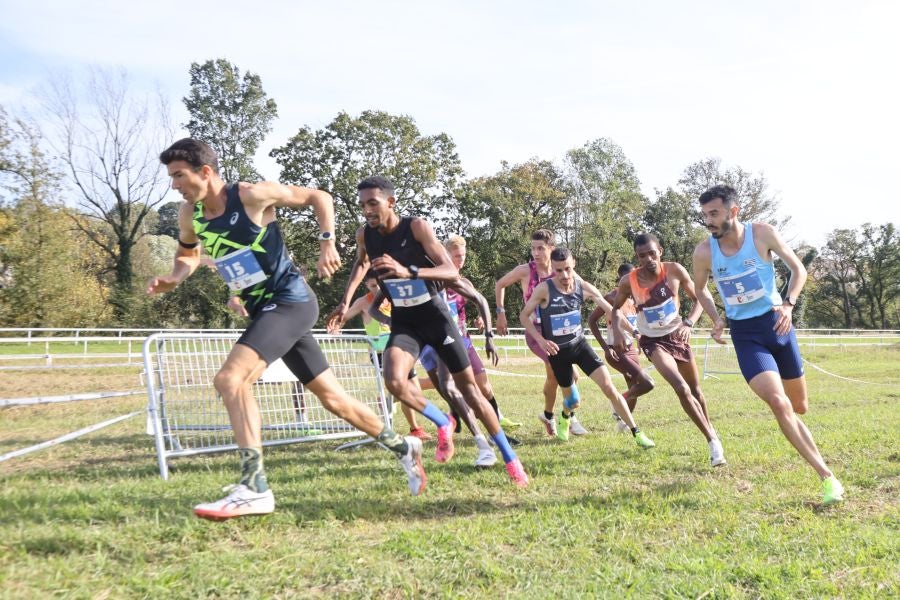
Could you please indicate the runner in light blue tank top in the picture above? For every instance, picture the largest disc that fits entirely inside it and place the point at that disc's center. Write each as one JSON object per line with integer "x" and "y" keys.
{"x": 746, "y": 281}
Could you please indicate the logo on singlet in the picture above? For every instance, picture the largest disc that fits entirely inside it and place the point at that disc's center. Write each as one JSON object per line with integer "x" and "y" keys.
{"x": 403, "y": 243}
{"x": 662, "y": 292}
{"x": 750, "y": 262}
{"x": 233, "y": 219}
{"x": 448, "y": 340}
{"x": 722, "y": 270}
{"x": 268, "y": 307}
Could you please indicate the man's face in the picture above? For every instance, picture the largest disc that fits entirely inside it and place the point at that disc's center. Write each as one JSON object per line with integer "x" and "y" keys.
{"x": 458, "y": 257}
{"x": 372, "y": 285}
{"x": 540, "y": 251}
{"x": 376, "y": 206}
{"x": 649, "y": 256}
{"x": 563, "y": 271}
{"x": 718, "y": 218}
{"x": 191, "y": 184}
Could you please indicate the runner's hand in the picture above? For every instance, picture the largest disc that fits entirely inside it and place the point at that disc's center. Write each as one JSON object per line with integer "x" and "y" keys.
{"x": 717, "y": 330}
{"x": 335, "y": 319}
{"x": 237, "y": 306}
{"x": 785, "y": 318}
{"x": 549, "y": 346}
{"x": 329, "y": 261}
{"x": 387, "y": 267}
{"x": 501, "y": 324}
{"x": 161, "y": 284}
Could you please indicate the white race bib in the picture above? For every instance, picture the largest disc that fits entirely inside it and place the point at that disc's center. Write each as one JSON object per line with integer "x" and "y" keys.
{"x": 662, "y": 315}
{"x": 240, "y": 269}
{"x": 743, "y": 288}
{"x": 566, "y": 323}
{"x": 407, "y": 292}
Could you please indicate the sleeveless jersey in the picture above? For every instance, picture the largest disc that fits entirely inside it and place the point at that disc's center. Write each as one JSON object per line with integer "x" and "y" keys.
{"x": 533, "y": 280}
{"x": 657, "y": 307}
{"x": 561, "y": 318}
{"x": 410, "y": 298}
{"x": 252, "y": 260}
{"x": 457, "y": 305}
{"x": 746, "y": 281}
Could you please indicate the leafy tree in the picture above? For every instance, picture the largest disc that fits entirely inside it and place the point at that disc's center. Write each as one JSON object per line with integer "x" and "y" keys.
{"x": 110, "y": 140}
{"x": 425, "y": 170}
{"x": 757, "y": 202}
{"x": 231, "y": 113}
{"x": 167, "y": 223}
{"x": 674, "y": 218}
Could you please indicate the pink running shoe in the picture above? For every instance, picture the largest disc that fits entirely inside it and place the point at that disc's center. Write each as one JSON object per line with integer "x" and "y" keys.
{"x": 517, "y": 473}
{"x": 445, "y": 447}
{"x": 420, "y": 433}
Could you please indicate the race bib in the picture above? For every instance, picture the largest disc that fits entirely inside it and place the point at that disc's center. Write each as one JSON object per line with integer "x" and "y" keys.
{"x": 659, "y": 317}
{"x": 632, "y": 320}
{"x": 741, "y": 289}
{"x": 240, "y": 269}
{"x": 407, "y": 292}
{"x": 566, "y": 323}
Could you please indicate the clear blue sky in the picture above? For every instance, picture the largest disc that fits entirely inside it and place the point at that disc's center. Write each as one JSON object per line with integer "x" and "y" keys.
{"x": 805, "y": 92}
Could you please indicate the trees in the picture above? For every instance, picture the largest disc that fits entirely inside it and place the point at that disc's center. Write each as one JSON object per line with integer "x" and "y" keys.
{"x": 230, "y": 113}
{"x": 675, "y": 219}
{"x": 109, "y": 140}
{"x": 48, "y": 277}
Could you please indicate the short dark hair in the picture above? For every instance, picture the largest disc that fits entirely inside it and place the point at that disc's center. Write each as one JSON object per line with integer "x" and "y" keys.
{"x": 544, "y": 235}
{"x": 625, "y": 268}
{"x": 726, "y": 193}
{"x": 370, "y": 274}
{"x": 193, "y": 152}
{"x": 376, "y": 182}
{"x": 560, "y": 254}
{"x": 645, "y": 238}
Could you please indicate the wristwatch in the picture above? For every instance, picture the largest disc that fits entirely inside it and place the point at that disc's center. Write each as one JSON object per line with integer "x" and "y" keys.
{"x": 790, "y": 301}
{"x": 500, "y": 310}
{"x": 326, "y": 236}
{"x": 687, "y": 322}
{"x": 413, "y": 271}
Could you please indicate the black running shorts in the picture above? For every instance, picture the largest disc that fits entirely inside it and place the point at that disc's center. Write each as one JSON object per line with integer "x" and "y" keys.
{"x": 441, "y": 333}
{"x": 578, "y": 352}
{"x": 282, "y": 330}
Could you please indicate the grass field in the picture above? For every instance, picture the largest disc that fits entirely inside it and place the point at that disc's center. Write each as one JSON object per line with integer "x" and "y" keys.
{"x": 92, "y": 518}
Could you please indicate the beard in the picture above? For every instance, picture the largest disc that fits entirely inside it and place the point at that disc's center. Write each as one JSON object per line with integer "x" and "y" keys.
{"x": 725, "y": 228}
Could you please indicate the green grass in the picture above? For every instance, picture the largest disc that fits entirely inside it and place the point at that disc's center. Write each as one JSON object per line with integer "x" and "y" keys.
{"x": 92, "y": 519}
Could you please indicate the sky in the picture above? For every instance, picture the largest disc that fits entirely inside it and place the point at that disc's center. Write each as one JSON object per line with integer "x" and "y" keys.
{"x": 804, "y": 92}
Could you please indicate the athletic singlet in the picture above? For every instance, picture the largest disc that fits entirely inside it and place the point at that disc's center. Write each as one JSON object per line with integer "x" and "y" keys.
{"x": 457, "y": 305}
{"x": 533, "y": 280}
{"x": 746, "y": 281}
{"x": 412, "y": 299}
{"x": 630, "y": 313}
{"x": 561, "y": 318}
{"x": 252, "y": 260}
{"x": 657, "y": 307}
{"x": 373, "y": 327}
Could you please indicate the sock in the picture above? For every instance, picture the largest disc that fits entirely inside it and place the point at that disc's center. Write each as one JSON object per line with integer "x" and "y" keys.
{"x": 481, "y": 442}
{"x": 635, "y": 430}
{"x": 434, "y": 414}
{"x": 573, "y": 399}
{"x": 504, "y": 447}
{"x": 393, "y": 441}
{"x": 566, "y": 416}
{"x": 493, "y": 402}
{"x": 252, "y": 474}
{"x": 548, "y": 415}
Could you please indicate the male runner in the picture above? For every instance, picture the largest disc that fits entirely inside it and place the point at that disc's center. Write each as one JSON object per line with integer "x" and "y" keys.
{"x": 412, "y": 265}
{"x": 559, "y": 301}
{"x": 739, "y": 258}
{"x": 456, "y": 248}
{"x": 665, "y": 337}
{"x": 237, "y": 227}
{"x": 529, "y": 275}
{"x": 379, "y": 333}
{"x": 638, "y": 380}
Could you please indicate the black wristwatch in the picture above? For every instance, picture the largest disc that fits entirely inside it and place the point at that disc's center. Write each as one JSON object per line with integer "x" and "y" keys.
{"x": 790, "y": 301}
{"x": 687, "y": 322}
{"x": 413, "y": 271}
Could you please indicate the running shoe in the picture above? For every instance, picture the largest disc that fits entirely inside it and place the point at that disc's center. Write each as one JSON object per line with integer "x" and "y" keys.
{"x": 517, "y": 473}
{"x": 643, "y": 441}
{"x": 562, "y": 429}
{"x": 241, "y": 501}
{"x": 621, "y": 426}
{"x": 420, "y": 433}
{"x": 716, "y": 453}
{"x": 575, "y": 426}
{"x": 509, "y": 423}
{"x": 445, "y": 447}
{"x": 486, "y": 458}
{"x": 549, "y": 424}
{"x": 412, "y": 465}
{"x": 832, "y": 491}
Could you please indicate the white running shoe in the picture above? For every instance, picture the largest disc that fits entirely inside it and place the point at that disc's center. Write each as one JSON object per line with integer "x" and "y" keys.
{"x": 575, "y": 427}
{"x": 240, "y": 502}
{"x": 716, "y": 453}
{"x": 486, "y": 458}
{"x": 412, "y": 465}
{"x": 549, "y": 424}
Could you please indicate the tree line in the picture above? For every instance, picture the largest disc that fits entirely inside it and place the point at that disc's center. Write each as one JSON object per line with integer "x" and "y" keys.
{"x": 84, "y": 222}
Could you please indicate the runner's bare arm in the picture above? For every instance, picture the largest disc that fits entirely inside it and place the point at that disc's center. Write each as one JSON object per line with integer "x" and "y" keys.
{"x": 518, "y": 274}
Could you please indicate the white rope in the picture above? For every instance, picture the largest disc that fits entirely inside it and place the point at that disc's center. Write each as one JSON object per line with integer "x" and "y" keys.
{"x": 836, "y": 376}
{"x": 68, "y": 436}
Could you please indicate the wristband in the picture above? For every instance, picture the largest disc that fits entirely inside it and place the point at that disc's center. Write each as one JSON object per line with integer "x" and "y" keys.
{"x": 500, "y": 310}
{"x": 326, "y": 236}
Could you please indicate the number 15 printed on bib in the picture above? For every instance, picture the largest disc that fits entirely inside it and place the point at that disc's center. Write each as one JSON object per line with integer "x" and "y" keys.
{"x": 240, "y": 269}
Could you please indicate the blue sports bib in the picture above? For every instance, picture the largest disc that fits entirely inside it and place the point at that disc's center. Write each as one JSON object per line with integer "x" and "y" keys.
{"x": 240, "y": 269}
{"x": 742, "y": 288}
{"x": 662, "y": 315}
{"x": 407, "y": 292}
{"x": 565, "y": 323}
